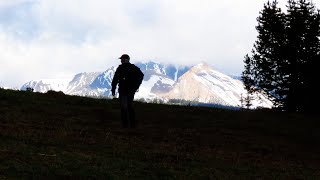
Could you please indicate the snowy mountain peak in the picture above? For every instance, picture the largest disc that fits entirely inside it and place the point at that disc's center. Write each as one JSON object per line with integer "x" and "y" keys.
{"x": 45, "y": 85}
{"x": 80, "y": 82}
{"x": 200, "y": 83}
{"x": 168, "y": 70}
{"x": 206, "y": 85}
{"x": 203, "y": 69}
{"x": 201, "y": 65}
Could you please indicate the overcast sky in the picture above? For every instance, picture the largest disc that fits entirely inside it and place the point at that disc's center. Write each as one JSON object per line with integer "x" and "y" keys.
{"x": 41, "y": 39}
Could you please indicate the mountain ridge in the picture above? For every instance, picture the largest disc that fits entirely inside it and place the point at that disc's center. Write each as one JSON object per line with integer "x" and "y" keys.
{"x": 199, "y": 83}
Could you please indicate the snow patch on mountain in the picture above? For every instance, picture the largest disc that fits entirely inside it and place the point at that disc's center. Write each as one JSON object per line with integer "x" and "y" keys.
{"x": 168, "y": 70}
{"x": 200, "y": 83}
{"x": 206, "y": 85}
{"x": 80, "y": 84}
{"x": 155, "y": 85}
{"x": 45, "y": 85}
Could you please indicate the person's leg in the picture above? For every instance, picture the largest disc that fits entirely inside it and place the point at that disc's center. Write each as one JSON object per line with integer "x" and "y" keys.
{"x": 132, "y": 122}
{"x": 124, "y": 110}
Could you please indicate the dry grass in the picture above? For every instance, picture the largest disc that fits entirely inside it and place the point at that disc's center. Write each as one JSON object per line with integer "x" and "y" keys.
{"x": 58, "y": 136}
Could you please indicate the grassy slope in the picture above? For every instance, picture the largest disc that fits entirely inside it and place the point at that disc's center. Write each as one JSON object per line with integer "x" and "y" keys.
{"x": 52, "y": 135}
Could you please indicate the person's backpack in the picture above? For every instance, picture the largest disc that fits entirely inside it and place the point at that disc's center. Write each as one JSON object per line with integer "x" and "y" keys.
{"x": 137, "y": 77}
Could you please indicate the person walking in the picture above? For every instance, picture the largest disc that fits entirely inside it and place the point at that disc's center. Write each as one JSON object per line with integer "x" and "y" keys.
{"x": 128, "y": 77}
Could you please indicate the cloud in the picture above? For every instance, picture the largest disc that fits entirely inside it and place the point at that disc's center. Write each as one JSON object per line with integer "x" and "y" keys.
{"x": 9, "y": 3}
{"x": 55, "y": 38}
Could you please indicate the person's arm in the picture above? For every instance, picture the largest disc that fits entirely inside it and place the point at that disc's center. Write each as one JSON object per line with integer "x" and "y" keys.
{"x": 115, "y": 82}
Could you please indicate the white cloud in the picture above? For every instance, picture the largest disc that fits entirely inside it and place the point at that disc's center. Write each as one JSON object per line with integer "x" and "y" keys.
{"x": 8, "y": 3}
{"x": 52, "y": 38}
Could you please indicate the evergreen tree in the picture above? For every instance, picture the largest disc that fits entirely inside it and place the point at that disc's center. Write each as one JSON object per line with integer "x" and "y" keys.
{"x": 303, "y": 31}
{"x": 248, "y": 80}
{"x": 262, "y": 69}
{"x": 285, "y": 55}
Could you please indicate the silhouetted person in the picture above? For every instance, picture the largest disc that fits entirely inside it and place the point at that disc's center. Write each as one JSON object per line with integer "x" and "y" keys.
{"x": 129, "y": 78}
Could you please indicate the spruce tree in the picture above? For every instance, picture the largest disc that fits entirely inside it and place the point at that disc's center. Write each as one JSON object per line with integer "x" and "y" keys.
{"x": 303, "y": 31}
{"x": 249, "y": 82}
{"x": 285, "y": 56}
{"x": 262, "y": 69}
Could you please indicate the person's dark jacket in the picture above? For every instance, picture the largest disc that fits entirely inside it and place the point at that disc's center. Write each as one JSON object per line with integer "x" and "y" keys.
{"x": 129, "y": 78}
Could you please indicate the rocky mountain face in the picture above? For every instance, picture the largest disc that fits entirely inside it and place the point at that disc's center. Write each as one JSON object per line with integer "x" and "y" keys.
{"x": 206, "y": 85}
{"x": 200, "y": 83}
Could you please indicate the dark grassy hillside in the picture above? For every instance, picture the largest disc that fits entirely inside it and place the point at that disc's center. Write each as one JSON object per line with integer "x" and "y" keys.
{"x": 58, "y": 136}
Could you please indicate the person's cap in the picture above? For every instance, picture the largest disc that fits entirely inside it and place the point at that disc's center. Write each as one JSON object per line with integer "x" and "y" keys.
{"x": 125, "y": 56}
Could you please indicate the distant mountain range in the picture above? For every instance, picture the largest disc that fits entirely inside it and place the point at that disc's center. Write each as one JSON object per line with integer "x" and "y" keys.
{"x": 199, "y": 83}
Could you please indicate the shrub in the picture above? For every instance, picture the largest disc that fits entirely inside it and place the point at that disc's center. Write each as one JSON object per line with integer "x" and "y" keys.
{"x": 29, "y": 89}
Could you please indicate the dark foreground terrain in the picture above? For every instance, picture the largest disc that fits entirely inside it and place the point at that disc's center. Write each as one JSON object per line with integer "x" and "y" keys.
{"x": 57, "y": 136}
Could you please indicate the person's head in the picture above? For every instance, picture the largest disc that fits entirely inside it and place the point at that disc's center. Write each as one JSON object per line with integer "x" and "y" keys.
{"x": 125, "y": 58}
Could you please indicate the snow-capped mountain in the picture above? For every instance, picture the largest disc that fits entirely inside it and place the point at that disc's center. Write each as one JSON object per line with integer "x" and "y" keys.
{"x": 206, "y": 85}
{"x": 199, "y": 83}
{"x": 158, "y": 79}
{"x": 80, "y": 84}
{"x": 12, "y": 88}
{"x": 170, "y": 71}
{"x": 45, "y": 85}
